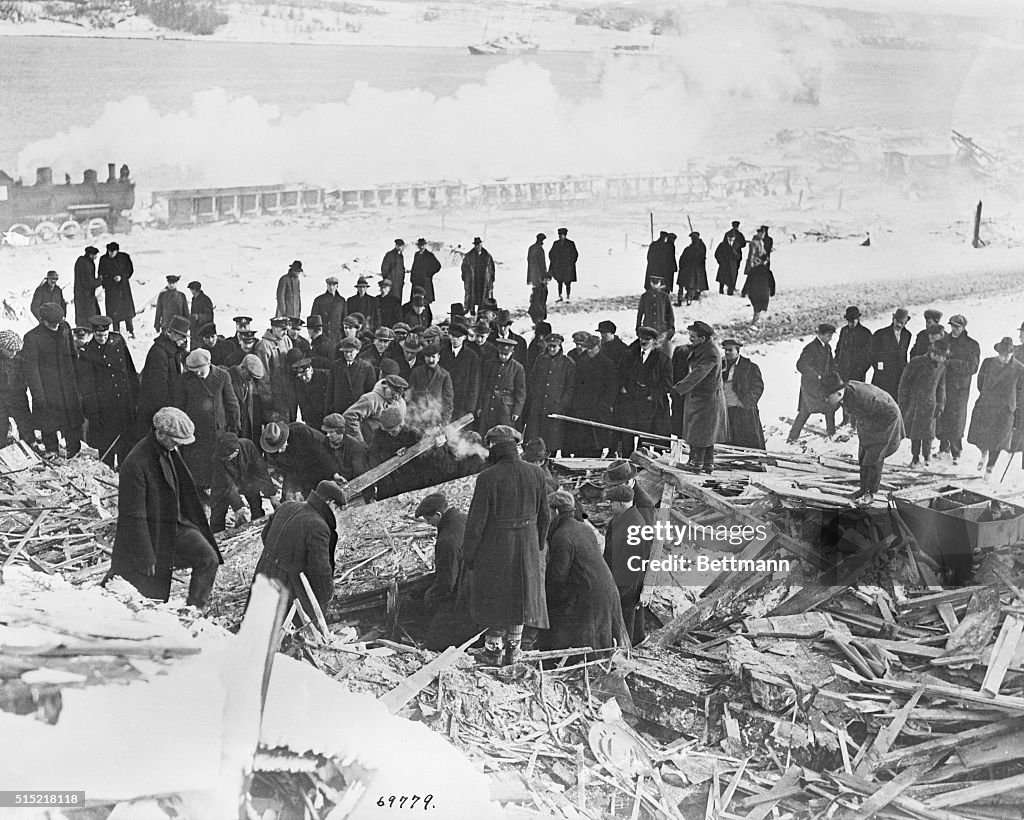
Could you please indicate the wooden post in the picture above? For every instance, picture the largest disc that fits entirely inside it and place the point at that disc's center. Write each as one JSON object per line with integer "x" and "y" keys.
{"x": 652, "y": 226}
{"x": 976, "y": 242}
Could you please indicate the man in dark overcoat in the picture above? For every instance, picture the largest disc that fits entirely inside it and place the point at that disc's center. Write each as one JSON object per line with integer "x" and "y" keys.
{"x": 655, "y": 310}
{"x": 890, "y": 346}
{"x": 815, "y": 363}
{"x": 392, "y": 268}
{"x": 115, "y": 272}
{"x": 170, "y": 302}
{"x": 506, "y": 530}
{"x": 645, "y": 377}
{"x": 349, "y": 379}
{"x": 161, "y": 374}
{"x": 597, "y": 386}
{"x": 86, "y": 282}
{"x": 562, "y": 260}
{"x": 693, "y": 271}
{"x": 921, "y": 396}
{"x": 289, "y": 291}
{"x": 330, "y": 307}
{"x": 583, "y": 601}
{"x": 611, "y": 345}
{"x": 109, "y": 386}
{"x": 736, "y": 235}
{"x": 206, "y": 397}
{"x": 463, "y": 365}
{"x": 300, "y": 454}
{"x": 390, "y": 310}
{"x": 624, "y": 550}
{"x": 503, "y": 330}
{"x": 744, "y": 386}
{"x": 13, "y": 391}
{"x": 922, "y": 342}
{"x": 477, "y": 276}
{"x": 961, "y": 365}
{"x": 999, "y": 410}
{"x": 661, "y": 261}
{"x": 431, "y": 396}
{"x": 244, "y": 382}
{"x": 424, "y": 267}
{"x": 238, "y": 472}
{"x": 854, "y": 351}
{"x": 200, "y": 311}
{"x": 300, "y": 539}
{"x": 502, "y": 389}
{"x": 364, "y": 304}
{"x": 161, "y": 525}
{"x": 704, "y": 417}
{"x": 48, "y": 365}
{"x": 550, "y": 388}
{"x": 727, "y": 255}
{"x": 48, "y": 291}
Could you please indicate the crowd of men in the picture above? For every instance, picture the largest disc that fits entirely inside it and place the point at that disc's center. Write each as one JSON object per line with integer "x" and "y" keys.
{"x": 216, "y": 426}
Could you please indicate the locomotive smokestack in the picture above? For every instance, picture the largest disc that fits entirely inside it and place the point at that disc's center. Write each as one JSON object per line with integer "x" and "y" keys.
{"x": 89, "y": 177}
{"x": 111, "y": 176}
{"x": 44, "y": 176}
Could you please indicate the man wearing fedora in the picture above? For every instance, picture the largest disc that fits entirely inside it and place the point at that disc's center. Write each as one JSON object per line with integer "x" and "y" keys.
{"x": 320, "y": 344}
{"x": 424, "y": 267}
{"x": 477, "y": 276}
{"x": 623, "y": 473}
{"x": 161, "y": 525}
{"x": 115, "y": 272}
{"x": 364, "y": 304}
{"x": 392, "y": 267}
{"x": 962, "y": 363}
{"x": 300, "y": 454}
{"x": 693, "y": 271}
{"x": 815, "y": 363}
{"x": 502, "y": 393}
{"x": 110, "y": 387}
{"x": 463, "y": 365}
{"x": 562, "y": 258}
{"x": 998, "y": 416}
{"x": 330, "y": 307}
{"x": 645, "y": 377}
{"x": 506, "y": 530}
{"x": 704, "y": 416}
{"x": 160, "y": 382}
{"x": 289, "y": 297}
{"x": 854, "y": 353}
{"x": 743, "y": 386}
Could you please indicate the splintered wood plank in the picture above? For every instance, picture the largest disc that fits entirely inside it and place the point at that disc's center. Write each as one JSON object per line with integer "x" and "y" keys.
{"x": 1003, "y": 652}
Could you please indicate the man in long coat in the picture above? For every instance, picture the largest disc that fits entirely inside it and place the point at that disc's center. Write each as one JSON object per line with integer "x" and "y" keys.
{"x": 693, "y": 271}
{"x": 921, "y": 397}
{"x": 331, "y": 308}
{"x": 364, "y": 304}
{"x": 645, "y": 377}
{"x": 583, "y": 601}
{"x": 300, "y": 539}
{"x": 550, "y": 388}
{"x": 115, "y": 272}
{"x": 431, "y": 396}
{"x": 815, "y": 363}
{"x": 170, "y": 302}
{"x": 562, "y": 258}
{"x": 890, "y": 346}
{"x": 597, "y": 387}
{"x": 739, "y": 241}
{"x": 392, "y": 267}
{"x": 854, "y": 350}
{"x": 200, "y": 312}
{"x": 620, "y": 545}
{"x": 424, "y": 267}
{"x": 109, "y": 386}
{"x": 13, "y": 392}
{"x": 655, "y": 310}
{"x": 922, "y": 342}
{"x": 744, "y": 386}
{"x": 48, "y": 364}
{"x": 727, "y": 255}
{"x": 477, "y": 276}
{"x": 289, "y": 297}
{"x": 506, "y": 529}
{"x": 245, "y": 377}
{"x": 161, "y": 525}
{"x": 503, "y": 330}
{"x": 962, "y": 364}
{"x": 879, "y": 428}
{"x": 161, "y": 374}
{"x": 611, "y": 345}
{"x": 86, "y": 282}
{"x": 661, "y": 261}
{"x": 48, "y": 291}
{"x": 537, "y": 264}
{"x": 999, "y": 410}
{"x": 350, "y": 378}
{"x": 463, "y": 365}
{"x": 272, "y": 351}
{"x": 704, "y": 416}
{"x": 502, "y": 393}
{"x": 207, "y": 398}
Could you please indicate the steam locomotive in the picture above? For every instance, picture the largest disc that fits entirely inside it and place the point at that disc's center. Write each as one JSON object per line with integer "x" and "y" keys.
{"x": 44, "y": 211}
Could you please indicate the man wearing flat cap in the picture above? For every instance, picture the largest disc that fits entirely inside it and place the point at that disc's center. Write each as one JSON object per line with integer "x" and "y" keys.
{"x": 48, "y": 291}
{"x": 200, "y": 311}
{"x": 550, "y": 389}
{"x": 693, "y": 271}
{"x": 416, "y": 312}
{"x": 295, "y": 337}
{"x": 854, "y": 351}
{"x": 389, "y": 307}
{"x": 611, "y": 345}
{"x": 160, "y": 382}
{"x": 86, "y": 283}
{"x": 815, "y": 363}
{"x": 330, "y": 308}
{"x": 597, "y": 387}
{"x": 392, "y": 267}
{"x": 115, "y": 272}
{"x": 48, "y": 364}
{"x": 362, "y": 419}
{"x": 890, "y": 347}
{"x": 300, "y": 540}
{"x": 645, "y": 377}
{"x": 289, "y": 297}
{"x": 207, "y": 399}
{"x": 350, "y": 377}
{"x": 743, "y": 386}
{"x": 170, "y": 302}
{"x": 383, "y": 337}
{"x": 364, "y": 304}
{"x": 161, "y": 525}
{"x": 562, "y": 260}
{"x": 109, "y": 386}
{"x": 961, "y": 364}
{"x": 477, "y": 276}
{"x": 245, "y": 377}
{"x": 932, "y": 320}
{"x": 424, "y": 266}
{"x": 239, "y": 471}
{"x": 704, "y": 417}
{"x": 537, "y": 265}
{"x": 506, "y": 531}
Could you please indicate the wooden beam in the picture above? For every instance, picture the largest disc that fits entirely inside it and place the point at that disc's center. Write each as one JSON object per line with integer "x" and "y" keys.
{"x": 398, "y": 697}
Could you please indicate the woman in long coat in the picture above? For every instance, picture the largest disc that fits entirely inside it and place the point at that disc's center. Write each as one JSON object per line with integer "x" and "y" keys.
{"x": 1000, "y": 404}
{"x": 583, "y": 601}
{"x": 213, "y": 407}
{"x": 503, "y": 546}
{"x": 922, "y": 396}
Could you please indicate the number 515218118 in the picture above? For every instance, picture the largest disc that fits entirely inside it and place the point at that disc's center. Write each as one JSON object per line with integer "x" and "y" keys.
{"x": 395, "y": 801}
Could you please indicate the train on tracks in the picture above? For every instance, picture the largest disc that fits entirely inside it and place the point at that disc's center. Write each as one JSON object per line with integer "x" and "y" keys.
{"x": 45, "y": 212}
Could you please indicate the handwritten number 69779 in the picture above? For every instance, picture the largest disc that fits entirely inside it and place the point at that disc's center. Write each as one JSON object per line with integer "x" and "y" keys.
{"x": 405, "y": 802}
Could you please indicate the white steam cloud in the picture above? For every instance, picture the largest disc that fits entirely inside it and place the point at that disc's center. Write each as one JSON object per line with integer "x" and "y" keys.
{"x": 648, "y": 114}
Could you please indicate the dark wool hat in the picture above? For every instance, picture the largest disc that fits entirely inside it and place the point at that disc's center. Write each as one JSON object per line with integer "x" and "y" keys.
{"x": 209, "y": 329}
{"x": 458, "y": 330}
{"x": 456, "y": 309}
{"x": 362, "y": 283}
{"x": 852, "y": 312}
{"x": 399, "y": 241}
{"x": 619, "y": 472}
{"x": 227, "y": 445}
{"x": 397, "y": 383}
{"x": 92, "y": 249}
{"x": 432, "y": 350}
{"x": 477, "y": 240}
{"x": 647, "y": 332}
{"x": 563, "y": 231}
{"x": 504, "y": 318}
{"x": 333, "y": 422}
{"x": 52, "y": 274}
{"x": 901, "y": 313}
{"x": 301, "y": 364}
{"x": 421, "y": 242}
{"x": 314, "y": 321}
{"x": 541, "y": 237}
{"x": 535, "y": 451}
{"x": 100, "y": 322}
{"x": 606, "y": 327}
{"x": 178, "y": 324}
{"x": 51, "y": 312}
{"x": 735, "y": 223}
{"x": 330, "y": 491}
{"x": 831, "y": 383}
{"x": 542, "y": 328}
{"x": 482, "y": 326}
{"x": 294, "y": 266}
{"x": 195, "y": 285}
{"x": 113, "y": 246}
{"x": 412, "y": 345}
{"x": 620, "y": 492}
{"x": 732, "y": 343}
{"x": 349, "y": 344}
{"x": 489, "y": 304}
{"x": 435, "y": 503}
